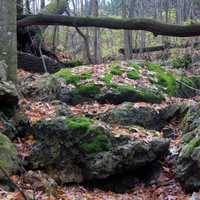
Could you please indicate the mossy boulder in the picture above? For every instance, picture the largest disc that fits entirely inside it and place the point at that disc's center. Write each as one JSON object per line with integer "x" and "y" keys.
{"x": 17, "y": 126}
{"x": 188, "y": 161}
{"x": 163, "y": 78}
{"x": 179, "y": 86}
{"x": 77, "y": 149}
{"x": 182, "y": 62}
{"x": 126, "y": 93}
{"x": 9, "y": 160}
{"x": 45, "y": 87}
{"x": 72, "y": 78}
{"x": 80, "y": 94}
{"x": 127, "y": 116}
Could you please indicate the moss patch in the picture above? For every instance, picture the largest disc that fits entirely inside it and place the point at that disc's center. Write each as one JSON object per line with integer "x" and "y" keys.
{"x": 116, "y": 70}
{"x": 68, "y": 76}
{"x": 164, "y": 78}
{"x": 96, "y": 142}
{"x": 135, "y": 66}
{"x": 71, "y": 78}
{"x": 182, "y": 62}
{"x": 89, "y": 90}
{"x": 107, "y": 78}
{"x": 82, "y": 123}
{"x": 95, "y": 139}
{"x": 149, "y": 96}
{"x": 189, "y": 148}
{"x": 133, "y": 75}
{"x": 141, "y": 94}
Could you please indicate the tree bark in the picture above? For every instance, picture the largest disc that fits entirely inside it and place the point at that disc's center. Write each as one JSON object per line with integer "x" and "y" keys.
{"x": 8, "y": 48}
{"x": 156, "y": 27}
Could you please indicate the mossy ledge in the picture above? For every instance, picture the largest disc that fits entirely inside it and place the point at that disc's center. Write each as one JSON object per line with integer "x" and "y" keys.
{"x": 72, "y": 78}
{"x": 94, "y": 138}
{"x": 140, "y": 94}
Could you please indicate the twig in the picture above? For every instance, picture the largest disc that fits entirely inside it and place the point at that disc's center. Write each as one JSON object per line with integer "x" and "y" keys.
{"x": 192, "y": 88}
{"x": 43, "y": 60}
{"x": 13, "y": 183}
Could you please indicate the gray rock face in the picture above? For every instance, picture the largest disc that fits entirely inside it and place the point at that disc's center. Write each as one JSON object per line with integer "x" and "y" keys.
{"x": 8, "y": 157}
{"x": 3, "y": 71}
{"x": 75, "y": 151}
{"x": 146, "y": 117}
{"x": 45, "y": 87}
{"x": 188, "y": 162}
{"x": 8, "y": 97}
{"x": 142, "y": 116}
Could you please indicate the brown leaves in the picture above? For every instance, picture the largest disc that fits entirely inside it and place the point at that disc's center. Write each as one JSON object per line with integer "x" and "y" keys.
{"x": 36, "y": 111}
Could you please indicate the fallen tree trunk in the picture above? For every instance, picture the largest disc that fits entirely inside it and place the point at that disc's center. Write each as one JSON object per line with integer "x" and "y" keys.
{"x": 159, "y": 48}
{"x": 147, "y": 49}
{"x": 156, "y": 27}
{"x": 32, "y": 63}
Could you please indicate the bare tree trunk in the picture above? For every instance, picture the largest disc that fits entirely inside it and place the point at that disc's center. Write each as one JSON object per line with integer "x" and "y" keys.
{"x": 97, "y": 47}
{"x": 127, "y": 34}
{"x": 42, "y": 4}
{"x": 8, "y": 49}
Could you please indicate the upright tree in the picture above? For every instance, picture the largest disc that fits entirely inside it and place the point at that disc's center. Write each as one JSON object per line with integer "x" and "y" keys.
{"x": 8, "y": 46}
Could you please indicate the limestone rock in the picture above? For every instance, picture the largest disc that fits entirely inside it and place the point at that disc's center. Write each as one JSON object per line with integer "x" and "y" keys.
{"x": 9, "y": 160}
{"x": 78, "y": 149}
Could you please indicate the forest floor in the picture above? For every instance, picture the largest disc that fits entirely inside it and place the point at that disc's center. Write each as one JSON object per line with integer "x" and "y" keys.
{"x": 163, "y": 187}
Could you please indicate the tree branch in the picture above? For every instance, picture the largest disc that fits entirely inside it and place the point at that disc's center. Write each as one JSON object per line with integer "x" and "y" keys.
{"x": 156, "y": 27}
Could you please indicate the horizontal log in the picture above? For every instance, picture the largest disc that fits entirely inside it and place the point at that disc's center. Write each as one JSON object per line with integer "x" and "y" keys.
{"x": 31, "y": 63}
{"x": 147, "y": 49}
{"x": 156, "y": 27}
{"x": 159, "y": 48}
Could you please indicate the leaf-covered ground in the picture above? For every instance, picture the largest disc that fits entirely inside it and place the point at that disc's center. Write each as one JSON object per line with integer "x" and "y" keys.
{"x": 37, "y": 185}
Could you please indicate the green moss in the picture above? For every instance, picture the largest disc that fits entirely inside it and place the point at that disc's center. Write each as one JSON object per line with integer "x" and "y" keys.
{"x": 86, "y": 75}
{"x": 116, "y": 70}
{"x": 107, "y": 78}
{"x": 142, "y": 94}
{"x": 88, "y": 90}
{"x": 123, "y": 88}
{"x": 164, "y": 78}
{"x": 71, "y": 78}
{"x": 68, "y": 76}
{"x": 98, "y": 141}
{"x": 189, "y": 148}
{"x": 81, "y": 123}
{"x": 182, "y": 62}
{"x": 149, "y": 96}
{"x": 188, "y": 81}
{"x": 135, "y": 66}
{"x": 133, "y": 75}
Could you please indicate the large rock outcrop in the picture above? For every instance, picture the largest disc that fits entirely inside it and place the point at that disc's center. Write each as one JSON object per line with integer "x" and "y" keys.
{"x": 188, "y": 162}
{"x": 79, "y": 149}
{"x": 146, "y": 117}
